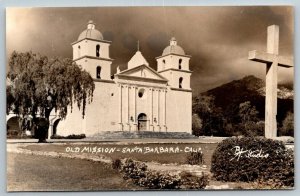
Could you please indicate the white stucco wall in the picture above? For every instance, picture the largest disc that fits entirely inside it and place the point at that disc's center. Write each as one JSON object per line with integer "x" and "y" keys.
{"x": 72, "y": 124}
{"x": 102, "y": 115}
{"x": 90, "y": 65}
{"x": 88, "y": 47}
{"x": 173, "y": 77}
{"x": 172, "y": 61}
{"x": 172, "y": 110}
{"x": 179, "y": 111}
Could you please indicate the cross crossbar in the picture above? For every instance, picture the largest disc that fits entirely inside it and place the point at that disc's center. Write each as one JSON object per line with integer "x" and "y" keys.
{"x": 264, "y": 57}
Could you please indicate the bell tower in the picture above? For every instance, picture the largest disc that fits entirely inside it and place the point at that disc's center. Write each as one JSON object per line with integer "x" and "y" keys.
{"x": 173, "y": 64}
{"x": 91, "y": 52}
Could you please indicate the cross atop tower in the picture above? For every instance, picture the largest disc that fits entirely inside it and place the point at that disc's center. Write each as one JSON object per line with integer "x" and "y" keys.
{"x": 272, "y": 60}
{"x": 138, "y": 45}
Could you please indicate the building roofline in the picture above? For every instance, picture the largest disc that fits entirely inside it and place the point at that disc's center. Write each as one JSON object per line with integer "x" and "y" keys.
{"x": 189, "y": 56}
{"x": 93, "y": 57}
{"x": 97, "y": 40}
{"x": 181, "y": 89}
{"x": 141, "y": 79}
{"x": 173, "y": 69}
{"x": 147, "y": 67}
{"x": 142, "y": 85}
{"x": 103, "y": 80}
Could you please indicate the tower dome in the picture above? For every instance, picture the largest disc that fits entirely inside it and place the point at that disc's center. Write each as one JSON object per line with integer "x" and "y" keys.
{"x": 91, "y": 32}
{"x": 173, "y": 48}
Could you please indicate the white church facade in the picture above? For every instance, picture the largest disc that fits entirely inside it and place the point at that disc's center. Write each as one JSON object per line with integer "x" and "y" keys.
{"x": 136, "y": 99}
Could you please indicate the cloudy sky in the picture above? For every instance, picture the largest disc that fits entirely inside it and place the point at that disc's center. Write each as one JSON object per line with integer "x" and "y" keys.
{"x": 217, "y": 38}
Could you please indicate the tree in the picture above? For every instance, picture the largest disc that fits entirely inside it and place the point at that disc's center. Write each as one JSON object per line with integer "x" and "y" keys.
{"x": 248, "y": 115}
{"x": 196, "y": 125}
{"x": 211, "y": 116}
{"x": 38, "y": 85}
{"x": 288, "y": 125}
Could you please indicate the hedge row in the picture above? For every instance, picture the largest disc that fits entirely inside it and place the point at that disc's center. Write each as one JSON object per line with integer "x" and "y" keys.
{"x": 140, "y": 175}
{"x": 73, "y": 136}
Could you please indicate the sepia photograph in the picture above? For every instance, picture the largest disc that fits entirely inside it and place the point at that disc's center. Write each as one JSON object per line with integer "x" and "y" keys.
{"x": 149, "y": 98}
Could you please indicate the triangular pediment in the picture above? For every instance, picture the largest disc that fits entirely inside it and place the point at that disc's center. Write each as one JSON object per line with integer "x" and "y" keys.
{"x": 137, "y": 60}
{"x": 142, "y": 71}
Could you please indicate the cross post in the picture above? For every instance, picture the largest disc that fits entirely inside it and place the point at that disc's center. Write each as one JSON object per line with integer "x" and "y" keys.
{"x": 272, "y": 61}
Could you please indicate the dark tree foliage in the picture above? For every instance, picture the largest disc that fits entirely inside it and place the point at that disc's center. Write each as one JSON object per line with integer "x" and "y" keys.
{"x": 196, "y": 125}
{"x": 37, "y": 85}
{"x": 249, "y": 122}
{"x": 211, "y": 116}
{"x": 287, "y": 128}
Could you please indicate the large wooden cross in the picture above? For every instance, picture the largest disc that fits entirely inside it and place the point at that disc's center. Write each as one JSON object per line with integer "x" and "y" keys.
{"x": 272, "y": 60}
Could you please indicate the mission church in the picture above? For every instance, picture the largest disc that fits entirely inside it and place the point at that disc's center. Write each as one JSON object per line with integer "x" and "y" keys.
{"x": 136, "y": 99}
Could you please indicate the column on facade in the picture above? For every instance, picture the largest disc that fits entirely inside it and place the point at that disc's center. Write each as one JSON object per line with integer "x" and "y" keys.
{"x": 148, "y": 112}
{"x": 120, "y": 108}
{"x": 158, "y": 110}
{"x": 125, "y": 108}
{"x": 128, "y": 108}
{"x": 165, "y": 113}
{"x": 151, "y": 109}
{"x": 134, "y": 108}
{"x": 163, "y": 108}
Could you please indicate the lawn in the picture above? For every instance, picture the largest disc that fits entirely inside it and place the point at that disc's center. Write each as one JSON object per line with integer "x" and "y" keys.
{"x": 164, "y": 158}
{"x": 42, "y": 173}
{"x": 27, "y": 172}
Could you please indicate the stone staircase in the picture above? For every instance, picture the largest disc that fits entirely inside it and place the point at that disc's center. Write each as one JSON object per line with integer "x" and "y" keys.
{"x": 142, "y": 134}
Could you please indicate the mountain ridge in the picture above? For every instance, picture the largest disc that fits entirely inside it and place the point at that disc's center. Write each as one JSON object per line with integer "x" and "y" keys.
{"x": 250, "y": 88}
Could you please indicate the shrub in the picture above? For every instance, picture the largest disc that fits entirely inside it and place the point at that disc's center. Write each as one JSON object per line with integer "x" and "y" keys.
{"x": 274, "y": 163}
{"x": 13, "y": 132}
{"x": 190, "y": 181}
{"x": 134, "y": 170}
{"x": 157, "y": 180}
{"x": 116, "y": 164}
{"x": 16, "y": 134}
{"x": 195, "y": 158}
{"x": 73, "y": 136}
{"x": 140, "y": 175}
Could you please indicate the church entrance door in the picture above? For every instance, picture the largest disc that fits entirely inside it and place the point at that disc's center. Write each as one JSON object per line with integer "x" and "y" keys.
{"x": 142, "y": 122}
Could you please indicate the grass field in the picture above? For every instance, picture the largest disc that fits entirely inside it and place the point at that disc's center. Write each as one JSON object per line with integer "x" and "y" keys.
{"x": 163, "y": 158}
{"x": 42, "y": 173}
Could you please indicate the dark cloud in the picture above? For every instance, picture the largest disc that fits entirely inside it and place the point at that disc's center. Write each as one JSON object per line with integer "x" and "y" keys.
{"x": 217, "y": 38}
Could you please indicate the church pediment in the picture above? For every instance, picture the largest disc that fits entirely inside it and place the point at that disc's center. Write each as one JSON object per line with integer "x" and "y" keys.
{"x": 142, "y": 71}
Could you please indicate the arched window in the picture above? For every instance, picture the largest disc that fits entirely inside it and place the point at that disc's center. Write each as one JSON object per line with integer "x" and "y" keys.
{"x": 78, "y": 51}
{"x": 179, "y": 65}
{"x": 141, "y": 92}
{"x": 98, "y": 72}
{"x": 180, "y": 82}
{"x": 98, "y": 50}
{"x": 164, "y": 63}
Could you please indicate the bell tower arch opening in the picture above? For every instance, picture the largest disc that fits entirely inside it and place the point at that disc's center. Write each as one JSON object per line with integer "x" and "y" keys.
{"x": 98, "y": 72}
{"x": 97, "y": 50}
{"x": 180, "y": 82}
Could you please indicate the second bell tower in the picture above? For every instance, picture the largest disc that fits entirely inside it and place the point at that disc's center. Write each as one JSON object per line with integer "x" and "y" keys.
{"x": 91, "y": 52}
